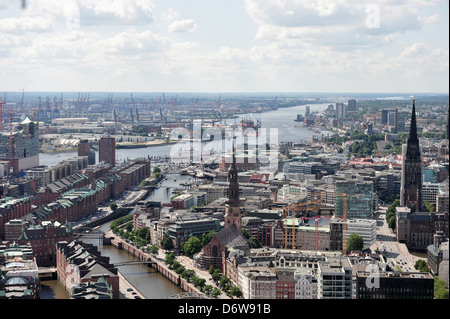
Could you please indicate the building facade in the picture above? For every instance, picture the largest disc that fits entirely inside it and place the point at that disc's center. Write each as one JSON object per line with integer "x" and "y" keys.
{"x": 107, "y": 150}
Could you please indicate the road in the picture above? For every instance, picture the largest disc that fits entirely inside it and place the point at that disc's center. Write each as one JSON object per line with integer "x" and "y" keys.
{"x": 397, "y": 253}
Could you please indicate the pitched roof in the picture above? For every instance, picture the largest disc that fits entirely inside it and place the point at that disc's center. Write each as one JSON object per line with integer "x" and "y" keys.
{"x": 231, "y": 237}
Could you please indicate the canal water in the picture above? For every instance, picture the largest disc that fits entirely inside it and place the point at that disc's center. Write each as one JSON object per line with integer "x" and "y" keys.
{"x": 149, "y": 282}
{"x": 145, "y": 279}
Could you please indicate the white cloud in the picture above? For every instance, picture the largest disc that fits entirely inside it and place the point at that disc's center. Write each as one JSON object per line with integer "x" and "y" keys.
{"x": 170, "y": 15}
{"x": 26, "y": 24}
{"x": 185, "y": 25}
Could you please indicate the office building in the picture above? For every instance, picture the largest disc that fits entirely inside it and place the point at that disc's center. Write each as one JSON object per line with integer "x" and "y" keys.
{"x": 394, "y": 285}
{"x": 24, "y": 147}
{"x": 359, "y": 202}
{"x": 334, "y": 278}
{"x": 107, "y": 150}
{"x": 351, "y": 106}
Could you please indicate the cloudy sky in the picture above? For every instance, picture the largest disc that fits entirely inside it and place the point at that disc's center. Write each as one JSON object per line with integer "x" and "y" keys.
{"x": 225, "y": 45}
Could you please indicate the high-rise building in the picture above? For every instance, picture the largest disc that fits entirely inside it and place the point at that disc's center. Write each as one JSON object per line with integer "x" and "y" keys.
{"x": 83, "y": 147}
{"x": 360, "y": 202}
{"x": 351, "y": 106}
{"x": 412, "y": 178}
{"x": 340, "y": 110}
{"x": 384, "y": 117}
{"x": 24, "y": 144}
{"x": 107, "y": 150}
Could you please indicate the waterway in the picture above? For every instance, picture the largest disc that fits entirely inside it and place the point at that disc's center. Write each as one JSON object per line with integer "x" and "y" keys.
{"x": 149, "y": 282}
{"x": 145, "y": 279}
{"x": 281, "y": 121}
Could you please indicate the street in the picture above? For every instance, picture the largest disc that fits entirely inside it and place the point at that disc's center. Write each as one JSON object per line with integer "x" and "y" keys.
{"x": 396, "y": 253}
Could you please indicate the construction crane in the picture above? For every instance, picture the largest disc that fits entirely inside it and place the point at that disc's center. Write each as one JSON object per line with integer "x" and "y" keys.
{"x": 293, "y": 208}
{"x": 316, "y": 222}
{"x": 11, "y": 167}
{"x": 345, "y": 197}
{"x": 1, "y": 113}
{"x": 296, "y": 207}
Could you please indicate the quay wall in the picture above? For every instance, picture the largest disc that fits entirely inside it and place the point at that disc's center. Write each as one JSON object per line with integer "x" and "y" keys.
{"x": 156, "y": 263}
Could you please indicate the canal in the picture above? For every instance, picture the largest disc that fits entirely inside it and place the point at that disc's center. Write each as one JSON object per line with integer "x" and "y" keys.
{"x": 145, "y": 279}
{"x": 149, "y": 282}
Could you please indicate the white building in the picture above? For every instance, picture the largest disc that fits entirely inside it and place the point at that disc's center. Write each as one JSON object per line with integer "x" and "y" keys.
{"x": 367, "y": 228}
{"x": 257, "y": 283}
{"x": 305, "y": 284}
{"x": 430, "y": 191}
{"x": 334, "y": 279}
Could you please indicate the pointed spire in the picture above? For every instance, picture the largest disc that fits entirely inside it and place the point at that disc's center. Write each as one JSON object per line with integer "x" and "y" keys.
{"x": 413, "y": 150}
{"x": 233, "y": 184}
{"x": 413, "y": 127}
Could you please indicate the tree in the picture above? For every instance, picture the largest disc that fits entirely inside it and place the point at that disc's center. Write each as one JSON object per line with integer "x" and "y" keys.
{"x": 224, "y": 281}
{"x": 170, "y": 258}
{"x": 421, "y": 265}
{"x": 390, "y": 214}
{"x": 206, "y": 237}
{"x": 113, "y": 207}
{"x": 440, "y": 292}
{"x": 207, "y": 289}
{"x": 215, "y": 292}
{"x": 166, "y": 242}
{"x": 153, "y": 249}
{"x": 216, "y": 275}
{"x": 236, "y": 292}
{"x": 156, "y": 169}
{"x": 192, "y": 246}
{"x": 428, "y": 206}
{"x": 188, "y": 274}
{"x": 180, "y": 269}
{"x": 355, "y": 242}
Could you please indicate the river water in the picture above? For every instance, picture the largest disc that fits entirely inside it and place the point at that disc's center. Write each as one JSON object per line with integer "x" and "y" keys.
{"x": 149, "y": 282}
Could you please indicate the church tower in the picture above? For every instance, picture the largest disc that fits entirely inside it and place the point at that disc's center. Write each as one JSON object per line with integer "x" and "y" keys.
{"x": 232, "y": 205}
{"x": 412, "y": 179}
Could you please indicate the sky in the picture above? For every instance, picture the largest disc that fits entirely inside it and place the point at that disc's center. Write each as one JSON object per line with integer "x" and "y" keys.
{"x": 225, "y": 46}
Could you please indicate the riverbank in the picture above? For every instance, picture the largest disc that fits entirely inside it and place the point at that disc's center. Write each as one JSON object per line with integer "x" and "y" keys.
{"x": 157, "y": 262}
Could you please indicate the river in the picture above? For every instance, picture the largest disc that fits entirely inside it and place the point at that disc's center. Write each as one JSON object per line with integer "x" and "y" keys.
{"x": 150, "y": 283}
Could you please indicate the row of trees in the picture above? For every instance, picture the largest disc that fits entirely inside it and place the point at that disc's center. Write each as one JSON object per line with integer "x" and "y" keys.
{"x": 224, "y": 282}
{"x": 390, "y": 214}
{"x": 190, "y": 276}
{"x": 440, "y": 289}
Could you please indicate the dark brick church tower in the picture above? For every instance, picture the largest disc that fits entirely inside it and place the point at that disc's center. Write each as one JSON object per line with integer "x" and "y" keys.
{"x": 412, "y": 179}
{"x": 232, "y": 205}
